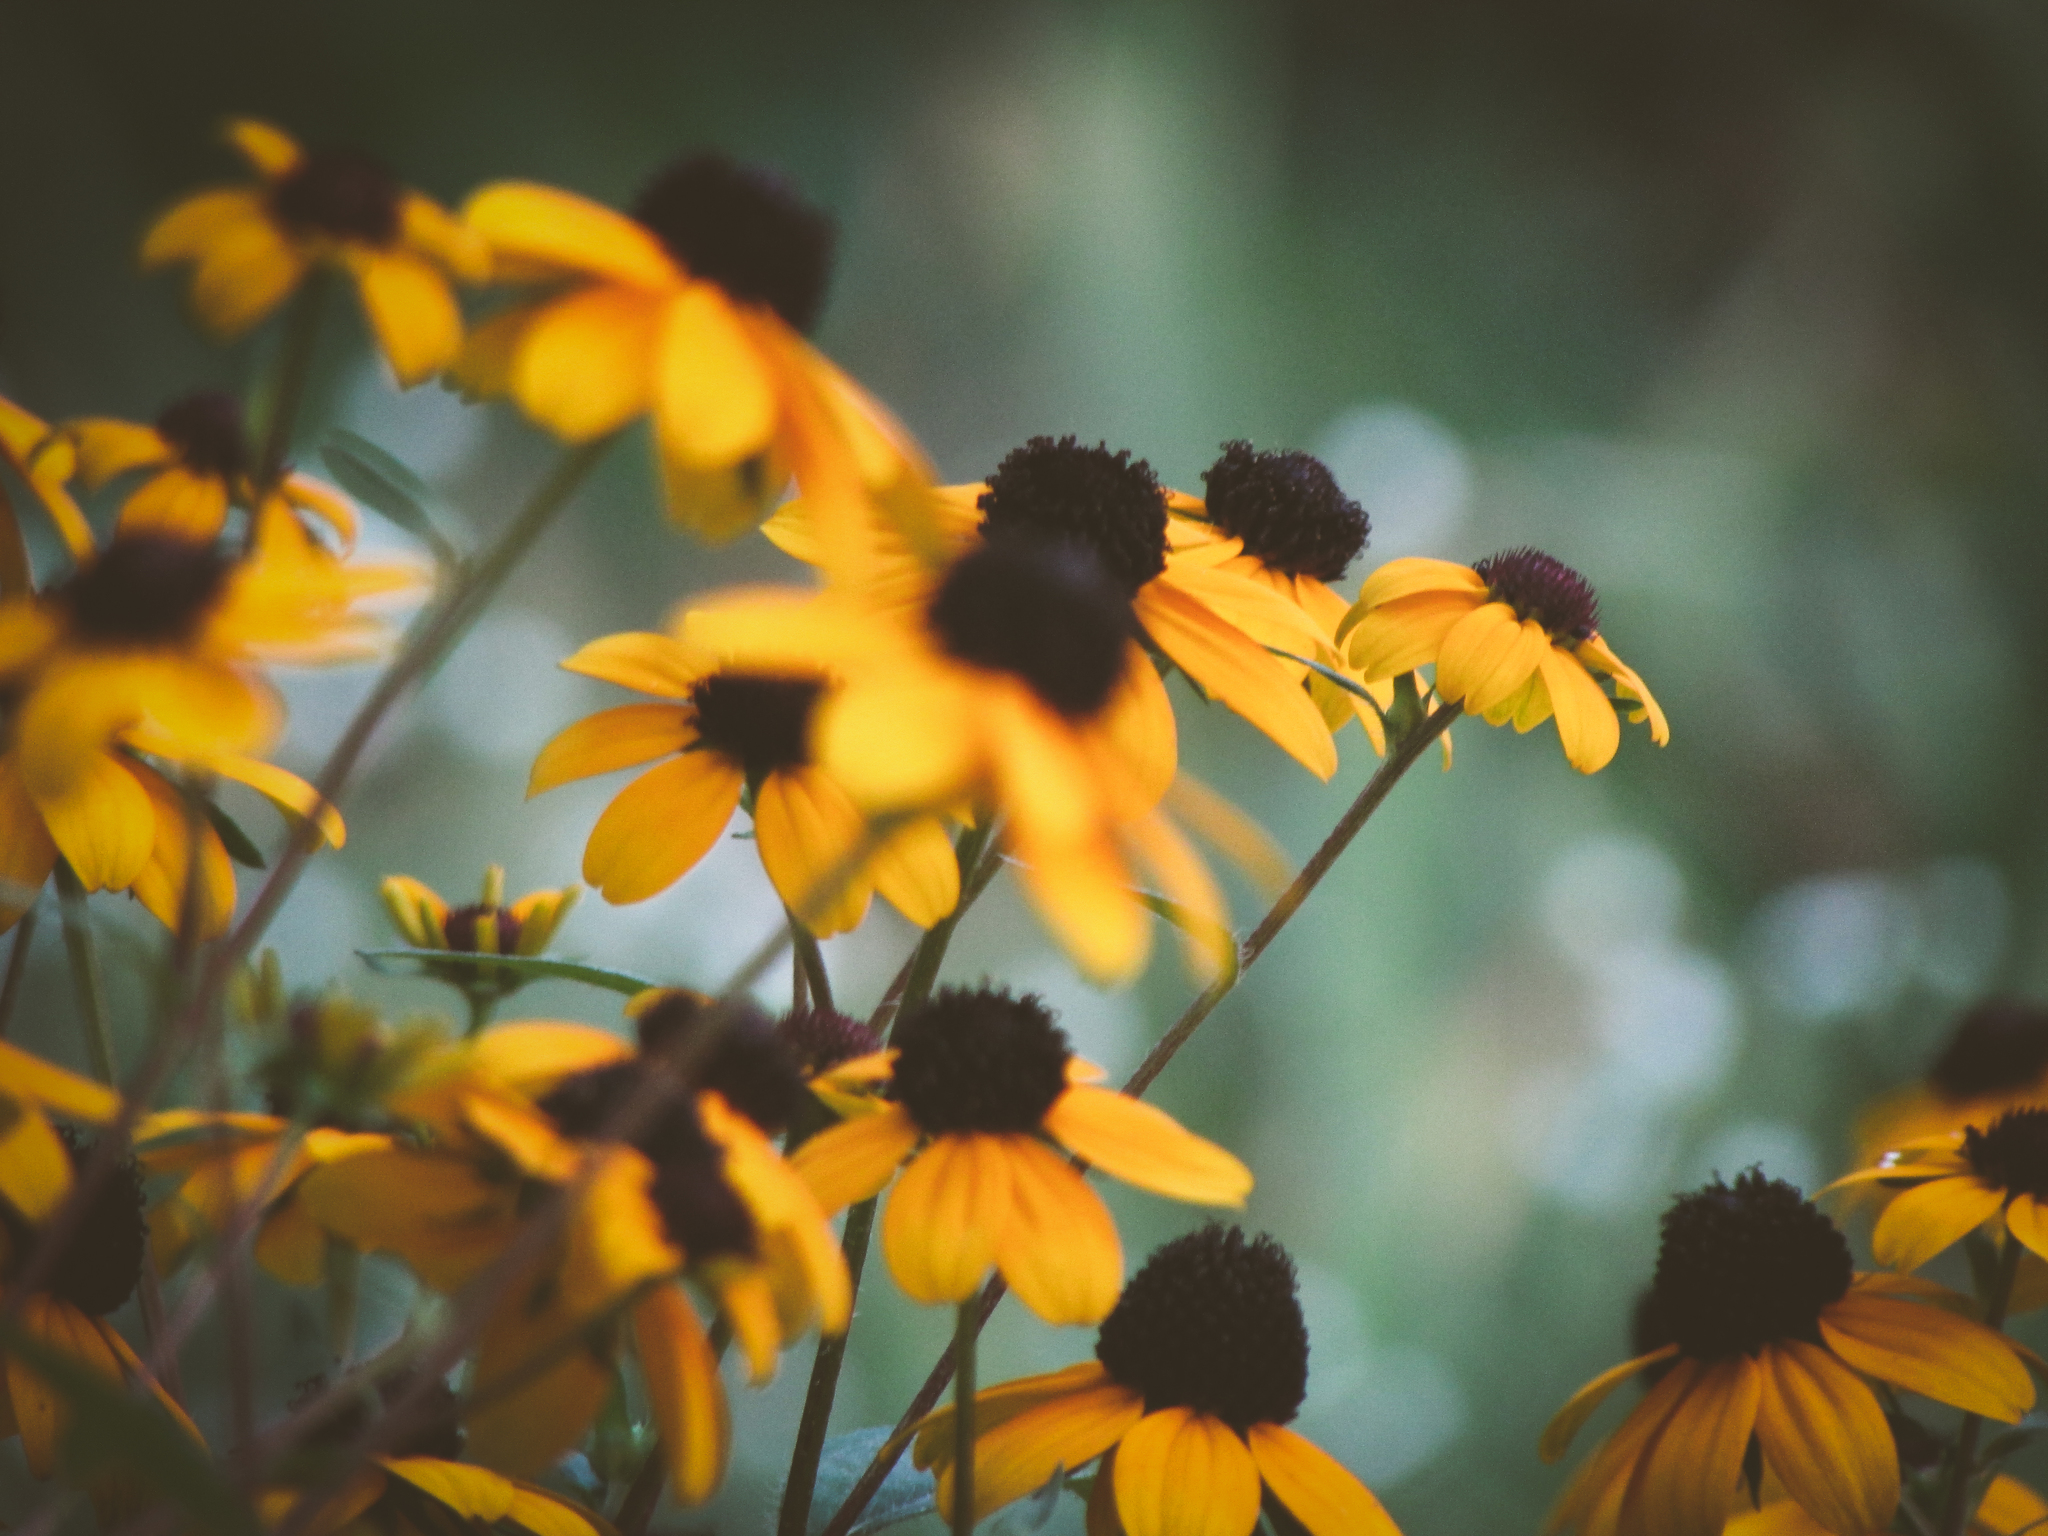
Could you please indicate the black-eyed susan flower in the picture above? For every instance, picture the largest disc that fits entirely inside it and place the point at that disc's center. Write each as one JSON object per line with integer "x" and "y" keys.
{"x": 697, "y": 1193}
{"x": 1944, "y": 1187}
{"x": 984, "y": 1095}
{"x": 1010, "y": 683}
{"x": 691, "y": 308}
{"x": 1212, "y": 621}
{"x": 1197, "y": 1373}
{"x": 1514, "y": 638}
{"x": 731, "y": 736}
{"x": 1996, "y": 1059}
{"x": 251, "y": 247}
{"x": 841, "y": 1060}
{"x": 1770, "y": 1332}
{"x": 94, "y": 1275}
{"x": 487, "y": 926}
{"x": 195, "y": 461}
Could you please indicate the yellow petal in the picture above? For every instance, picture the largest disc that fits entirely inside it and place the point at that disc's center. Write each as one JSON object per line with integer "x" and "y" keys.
{"x": 1182, "y": 1473}
{"x": 807, "y": 829}
{"x": 1921, "y": 1222}
{"x": 584, "y": 363}
{"x": 945, "y": 1216}
{"x": 287, "y": 791}
{"x": 35, "y": 1170}
{"x": 898, "y": 740}
{"x": 191, "y": 228}
{"x": 715, "y": 400}
{"x": 1929, "y": 1351}
{"x": 1571, "y": 1418}
{"x": 103, "y": 823}
{"x": 1585, "y": 719}
{"x": 1401, "y": 636}
{"x": 411, "y": 312}
{"x": 1825, "y": 1437}
{"x": 523, "y": 1429}
{"x": 540, "y": 224}
{"x": 177, "y": 502}
{"x": 471, "y": 1491}
{"x": 1017, "y": 1452}
{"x": 917, "y": 873}
{"x": 1685, "y": 1483}
{"x": 2010, "y": 1507}
{"x": 1059, "y": 1249}
{"x": 1143, "y": 1145}
{"x": 617, "y": 738}
{"x": 661, "y": 665}
{"x": 27, "y": 855}
{"x": 244, "y": 274}
{"x": 1487, "y": 655}
{"x": 1316, "y": 1488}
{"x": 1082, "y": 892}
{"x": 660, "y": 825}
{"x": 271, "y": 152}
{"x": 80, "y": 1098}
{"x": 682, "y": 1384}
{"x": 1411, "y": 576}
{"x": 107, "y": 448}
{"x": 431, "y": 230}
{"x": 854, "y": 1160}
{"x": 532, "y": 1055}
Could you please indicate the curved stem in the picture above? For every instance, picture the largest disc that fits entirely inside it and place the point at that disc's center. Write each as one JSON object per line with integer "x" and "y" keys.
{"x": 294, "y": 371}
{"x": 810, "y": 960}
{"x": 83, "y": 953}
{"x": 1402, "y": 753}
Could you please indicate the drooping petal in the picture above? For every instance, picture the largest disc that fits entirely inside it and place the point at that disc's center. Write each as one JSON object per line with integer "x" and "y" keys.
{"x": 35, "y": 1170}
{"x": 27, "y": 854}
{"x": 1182, "y": 1473}
{"x": 1404, "y": 635}
{"x": 808, "y": 829}
{"x": 682, "y": 1384}
{"x": 623, "y": 737}
{"x": 1684, "y": 1484}
{"x": 287, "y": 791}
{"x": 411, "y": 312}
{"x": 584, "y": 364}
{"x": 532, "y": 1414}
{"x": 1586, "y": 722}
{"x": 2028, "y": 1222}
{"x": 660, "y": 825}
{"x": 1825, "y": 1437}
{"x": 997, "y": 1405}
{"x": 854, "y": 1160}
{"x": 534, "y": 223}
{"x": 1143, "y": 1145}
{"x": 1922, "y": 1222}
{"x": 1592, "y": 1501}
{"x": 103, "y": 823}
{"x": 1929, "y": 1351}
{"x": 1317, "y": 1489}
{"x": 1571, "y": 1418}
{"x": 1059, "y": 1249}
{"x": 245, "y": 272}
{"x": 945, "y": 1217}
{"x": 916, "y": 872}
{"x": 1015, "y": 1455}
{"x": 714, "y": 396}
{"x": 1487, "y": 655}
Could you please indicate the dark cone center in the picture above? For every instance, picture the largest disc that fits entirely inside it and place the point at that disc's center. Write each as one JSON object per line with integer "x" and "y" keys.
{"x": 205, "y": 431}
{"x": 145, "y": 589}
{"x": 1060, "y": 492}
{"x": 2000, "y": 1046}
{"x": 760, "y": 724}
{"x": 2013, "y": 1154}
{"x": 1212, "y": 1323}
{"x": 342, "y": 194}
{"x": 1546, "y": 590}
{"x": 1044, "y": 613}
{"x": 1288, "y": 510}
{"x": 979, "y": 1060}
{"x": 465, "y": 928}
{"x": 102, "y": 1259}
{"x": 819, "y": 1039}
{"x": 1744, "y": 1265}
{"x": 744, "y": 229}
{"x": 749, "y": 1065}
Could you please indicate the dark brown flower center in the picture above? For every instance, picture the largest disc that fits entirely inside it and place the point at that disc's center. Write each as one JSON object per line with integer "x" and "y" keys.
{"x": 205, "y": 431}
{"x": 340, "y": 193}
{"x": 744, "y": 229}
{"x": 467, "y": 927}
{"x": 1057, "y": 491}
{"x": 1042, "y": 612}
{"x": 979, "y": 1060}
{"x": 1545, "y": 590}
{"x": 819, "y": 1039}
{"x": 102, "y": 1259}
{"x": 1744, "y": 1265}
{"x": 1212, "y": 1323}
{"x": 2000, "y": 1046}
{"x": 2013, "y": 1153}
{"x": 758, "y": 723}
{"x": 145, "y": 589}
{"x": 1288, "y": 510}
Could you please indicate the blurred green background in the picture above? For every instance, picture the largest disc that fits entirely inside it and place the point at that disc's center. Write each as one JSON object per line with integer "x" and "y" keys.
{"x": 1738, "y": 308}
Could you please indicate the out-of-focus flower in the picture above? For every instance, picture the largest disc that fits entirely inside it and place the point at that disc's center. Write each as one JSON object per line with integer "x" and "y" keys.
{"x": 1515, "y": 637}
{"x": 251, "y": 247}
{"x": 1767, "y": 1327}
{"x": 2009, "y": 1508}
{"x": 196, "y": 463}
{"x": 691, "y": 308}
{"x": 734, "y": 737}
{"x": 1946, "y": 1186}
{"x": 1198, "y": 1371}
{"x": 984, "y": 1092}
{"x": 485, "y": 927}
{"x": 1995, "y": 1060}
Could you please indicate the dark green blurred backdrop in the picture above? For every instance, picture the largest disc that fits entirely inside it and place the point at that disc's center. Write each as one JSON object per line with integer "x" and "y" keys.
{"x": 1740, "y": 308}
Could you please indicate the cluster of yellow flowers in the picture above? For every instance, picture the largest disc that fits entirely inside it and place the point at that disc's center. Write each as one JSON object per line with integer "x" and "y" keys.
{"x": 969, "y": 679}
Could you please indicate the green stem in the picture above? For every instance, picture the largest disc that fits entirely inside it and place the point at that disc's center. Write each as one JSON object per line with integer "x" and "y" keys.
{"x": 83, "y": 953}
{"x": 966, "y": 1330}
{"x": 1957, "y": 1506}
{"x": 481, "y": 1003}
{"x": 294, "y": 371}
{"x": 17, "y": 968}
{"x": 810, "y": 960}
{"x": 1409, "y": 736}
{"x": 931, "y": 951}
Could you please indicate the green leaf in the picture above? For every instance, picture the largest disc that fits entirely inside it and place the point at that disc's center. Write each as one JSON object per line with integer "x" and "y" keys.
{"x": 1034, "y": 1511}
{"x": 420, "y": 962}
{"x": 904, "y": 1495}
{"x": 114, "y": 1433}
{"x": 240, "y": 845}
{"x": 387, "y": 485}
{"x": 1211, "y": 936}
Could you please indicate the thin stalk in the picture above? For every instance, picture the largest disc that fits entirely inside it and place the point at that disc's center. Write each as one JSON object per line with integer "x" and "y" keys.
{"x": 481, "y": 1003}
{"x": 1402, "y": 754}
{"x": 810, "y": 962}
{"x": 17, "y": 968}
{"x": 83, "y": 952}
{"x": 294, "y": 372}
{"x": 344, "y": 1297}
{"x": 966, "y": 1330}
{"x": 1957, "y": 1505}
{"x": 977, "y": 868}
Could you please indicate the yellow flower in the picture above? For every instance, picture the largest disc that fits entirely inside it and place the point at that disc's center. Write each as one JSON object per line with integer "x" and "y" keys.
{"x": 24, "y": 438}
{"x": 1954, "y": 1182}
{"x": 94, "y": 1275}
{"x": 485, "y": 927}
{"x": 691, "y": 308}
{"x": 1197, "y": 1372}
{"x": 1010, "y": 683}
{"x": 733, "y": 736}
{"x": 2009, "y": 1508}
{"x": 196, "y": 461}
{"x": 698, "y": 1192}
{"x": 1515, "y": 637}
{"x": 1995, "y": 1060}
{"x": 251, "y": 247}
{"x": 985, "y": 1094}
{"x": 1213, "y": 621}
{"x": 1768, "y": 1327}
